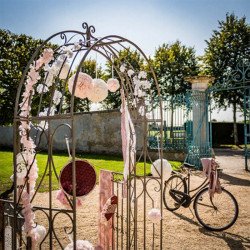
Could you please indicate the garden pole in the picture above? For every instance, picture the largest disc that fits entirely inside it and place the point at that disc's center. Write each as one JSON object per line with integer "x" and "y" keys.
{"x": 200, "y": 146}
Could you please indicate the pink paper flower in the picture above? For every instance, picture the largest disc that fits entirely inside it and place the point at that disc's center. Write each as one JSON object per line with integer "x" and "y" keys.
{"x": 84, "y": 85}
{"x": 113, "y": 85}
{"x": 154, "y": 215}
{"x": 142, "y": 75}
{"x": 99, "y": 91}
{"x": 130, "y": 72}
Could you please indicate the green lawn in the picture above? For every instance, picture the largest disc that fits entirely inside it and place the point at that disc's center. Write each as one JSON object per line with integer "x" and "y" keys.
{"x": 113, "y": 163}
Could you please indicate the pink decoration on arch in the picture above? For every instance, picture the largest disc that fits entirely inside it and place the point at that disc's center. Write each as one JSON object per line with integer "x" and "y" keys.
{"x": 106, "y": 191}
{"x": 61, "y": 197}
{"x": 113, "y": 85}
{"x": 39, "y": 63}
{"x": 29, "y": 145}
{"x": 84, "y": 85}
{"x": 47, "y": 56}
{"x": 128, "y": 138}
{"x": 109, "y": 208}
{"x": 99, "y": 91}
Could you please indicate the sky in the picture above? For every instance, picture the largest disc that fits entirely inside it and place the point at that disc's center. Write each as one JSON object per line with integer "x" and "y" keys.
{"x": 148, "y": 23}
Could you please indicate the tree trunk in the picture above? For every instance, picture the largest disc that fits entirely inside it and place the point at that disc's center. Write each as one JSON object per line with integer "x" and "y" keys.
{"x": 235, "y": 131}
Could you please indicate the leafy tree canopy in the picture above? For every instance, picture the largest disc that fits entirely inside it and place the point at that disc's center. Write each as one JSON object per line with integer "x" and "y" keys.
{"x": 15, "y": 52}
{"x": 172, "y": 63}
{"x": 228, "y": 46}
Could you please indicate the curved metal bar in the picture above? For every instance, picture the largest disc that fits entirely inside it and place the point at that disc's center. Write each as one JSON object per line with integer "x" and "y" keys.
{"x": 47, "y": 233}
{"x": 65, "y": 230}
{"x": 138, "y": 178}
{"x": 40, "y": 182}
{"x": 52, "y": 143}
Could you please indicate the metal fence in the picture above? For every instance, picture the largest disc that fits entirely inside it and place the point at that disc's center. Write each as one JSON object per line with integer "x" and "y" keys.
{"x": 177, "y": 124}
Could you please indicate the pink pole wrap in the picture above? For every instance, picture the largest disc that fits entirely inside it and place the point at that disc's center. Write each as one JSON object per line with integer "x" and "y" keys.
{"x": 105, "y": 229}
{"x": 128, "y": 138}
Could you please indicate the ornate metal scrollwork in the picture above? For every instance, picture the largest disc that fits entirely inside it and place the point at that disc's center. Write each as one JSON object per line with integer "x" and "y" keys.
{"x": 89, "y": 30}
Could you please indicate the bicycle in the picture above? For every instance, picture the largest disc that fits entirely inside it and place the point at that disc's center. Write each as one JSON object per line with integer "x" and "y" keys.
{"x": 215, "y": 213}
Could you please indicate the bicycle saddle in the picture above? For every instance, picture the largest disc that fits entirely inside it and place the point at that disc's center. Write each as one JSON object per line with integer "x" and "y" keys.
{"x": 187, "y": 165}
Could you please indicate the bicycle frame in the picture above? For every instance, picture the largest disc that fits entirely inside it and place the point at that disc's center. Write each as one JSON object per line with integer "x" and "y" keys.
{"x": 186, "y": 178}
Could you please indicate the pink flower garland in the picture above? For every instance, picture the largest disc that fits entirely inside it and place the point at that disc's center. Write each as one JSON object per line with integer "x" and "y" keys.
{"x": 29, "y": 145}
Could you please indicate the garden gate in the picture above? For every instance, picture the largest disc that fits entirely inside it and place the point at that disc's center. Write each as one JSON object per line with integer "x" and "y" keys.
{"x": 238, "y": 81}
{"x": 200, "y": 101}
{"x": 42, "y": 97}
{"x": 187, "y": 126}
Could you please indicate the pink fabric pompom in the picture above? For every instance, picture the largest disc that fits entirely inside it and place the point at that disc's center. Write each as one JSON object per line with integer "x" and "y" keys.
{"x": 99, "y": 91}
{"x": 154, "y": 215}
{"x": 80, "y": 245}
{"x": 113, "y": 85}
{"x": 83, "y": 85}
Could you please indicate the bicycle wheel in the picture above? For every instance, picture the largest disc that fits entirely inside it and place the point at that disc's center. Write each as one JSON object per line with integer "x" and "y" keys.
{"x": 218, "y": 213}
{"x": 175, "y": 183}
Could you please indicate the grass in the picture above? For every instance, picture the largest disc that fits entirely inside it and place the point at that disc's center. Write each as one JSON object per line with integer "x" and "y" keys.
{"x": 113, "y": 163}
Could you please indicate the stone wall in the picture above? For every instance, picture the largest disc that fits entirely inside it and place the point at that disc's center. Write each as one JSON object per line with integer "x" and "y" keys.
{"x": 6, "y": 136}
{"x": 97, "y": 132}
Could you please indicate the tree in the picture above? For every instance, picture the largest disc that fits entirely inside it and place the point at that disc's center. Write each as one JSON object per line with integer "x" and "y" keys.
{"x": 132, "y": 59}
{"x": 15, "y": 52}
{"x": 172, "y": 63}
{"x": 228, "y": 46}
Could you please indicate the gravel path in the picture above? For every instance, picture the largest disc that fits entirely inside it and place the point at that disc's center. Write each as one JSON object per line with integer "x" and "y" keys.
{"x": 181, "y": 229}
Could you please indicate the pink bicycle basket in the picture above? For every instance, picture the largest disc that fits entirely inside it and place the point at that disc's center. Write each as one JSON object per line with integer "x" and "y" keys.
{"x": 85, "y": 178}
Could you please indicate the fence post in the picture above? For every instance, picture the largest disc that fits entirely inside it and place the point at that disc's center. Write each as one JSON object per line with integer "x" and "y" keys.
{"x": 200, "y": 146}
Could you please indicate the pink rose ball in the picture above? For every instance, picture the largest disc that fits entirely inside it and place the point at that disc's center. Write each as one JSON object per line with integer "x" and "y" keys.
{"x": 154, "y": 215}
{"x": 41, "y": 233}
{"x": 80, "y": 245}
{"x": 113, "y": 85}
{"x": 99, "y": 91}
{"x": 84, "y": 85}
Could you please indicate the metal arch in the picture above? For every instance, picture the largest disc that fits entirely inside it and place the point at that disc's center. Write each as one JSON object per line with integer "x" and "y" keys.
{"x": 92, "y": 44}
